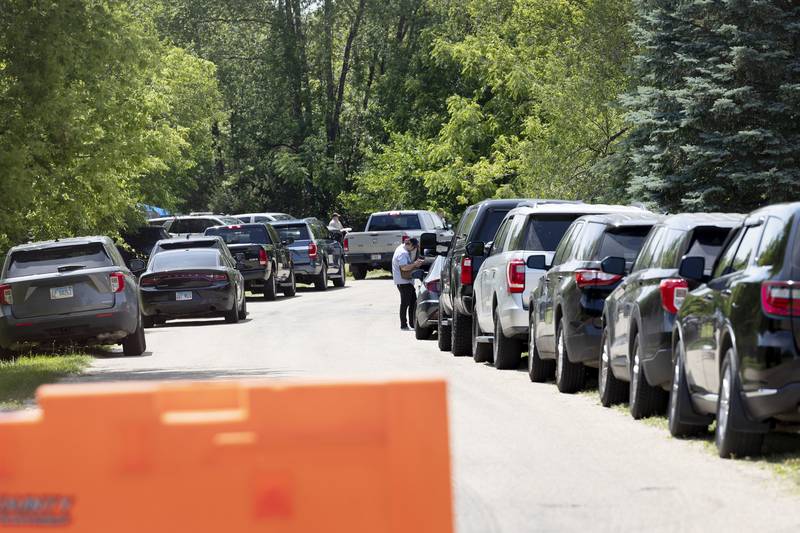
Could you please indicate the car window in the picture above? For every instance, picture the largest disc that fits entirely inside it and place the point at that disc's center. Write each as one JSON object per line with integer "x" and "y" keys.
{"x": 500, "y": 238}
{"x": 584, "y": 248}
{"x": 261, "y": 219}
{"x": 49, "y": 260}
{"x": 726, "y": 258}
{"x": 542, "y": 233}
{"x": 394, "y": 222}
{"x": 225, "y": 220}
{"x": 192, "y": 258}
{"x": 241, "y": 235}
{"x": 706, "y": 243}
{"x": 438, "y": 223}
{"x": 274, "y": 237}
{"x": 773, "y": 242}
{"x": 671, "y": 250}
{"x": 180, "y": 226}
{"x": 465, "y": 225}
{"x": 622, "y": 242}
{"x": 489, "y": 225}
{"x": 298, "y": 232}
{"x": 747, "y": 248}
{"x": 651, "y": 249}
{"x": 427, "y": 220}
{"x": 564, "y": 250}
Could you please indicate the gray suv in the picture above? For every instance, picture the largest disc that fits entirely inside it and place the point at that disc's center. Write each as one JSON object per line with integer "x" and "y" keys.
{"x": 75, "y": 290}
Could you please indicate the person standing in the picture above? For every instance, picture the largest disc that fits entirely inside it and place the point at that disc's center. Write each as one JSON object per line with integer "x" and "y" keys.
{"x": 402, "y": 266}
{"x": 335, "y": 223}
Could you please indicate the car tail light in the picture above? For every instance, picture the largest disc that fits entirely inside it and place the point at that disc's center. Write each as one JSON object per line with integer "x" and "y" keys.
{"x": 781, "y": 298}
{"x": 312, "y": 250}
{"x": 346, "y": 245}
{"x": 148, "y": 281}
{"x": 466, "y": 271}
{"x": 235, "y": 227}
{"x": 595, "y": 278}
{"x": 6, "y": 298}
{"x": 262, "y": 257}
{"x": 673, "y": 293}
{"x": 432, "y": 286}
{"x": 516, "y": 276}
{"x": 117, "y": 281}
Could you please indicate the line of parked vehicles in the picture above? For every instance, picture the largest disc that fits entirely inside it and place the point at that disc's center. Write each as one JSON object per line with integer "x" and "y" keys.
{"x": 695, "y": 315}
{"x": 89, "y": 290}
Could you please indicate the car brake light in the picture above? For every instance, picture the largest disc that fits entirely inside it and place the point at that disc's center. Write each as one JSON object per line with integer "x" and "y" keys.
{"x": 346, "y": 245}
{"x": 673, "y": 293}
{"x": 781, "y": 298}
{"x": 432, "y": 286}
{"x": 262, "y": 257}
{"x": 312, "y": 250}
{"x": 466, "y": 271}
{"x": 149, "y": 281}
{"x": 217, "y": 277}
{"x": 6, "y": 298}
{"x": 516, "y": 276}
{"x": 234, "y": 227}
{"x": 595, "y": 278}
{"x": 117, "y": 281}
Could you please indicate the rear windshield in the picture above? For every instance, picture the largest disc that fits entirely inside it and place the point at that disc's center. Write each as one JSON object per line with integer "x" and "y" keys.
{"x": 282, "y": 216}
{"x": 246, "y": 235}
{"x": 49, "y": 260}
{"x": 394, "y": 222}
{"x": 624, "y": 242}
{"x": 490, "y": 224}
{"x": 298, "y": 232}
{"x": 186, "y": 259}
{"x": 707, "y": 243}
{"x": 546, "y": 231}
{"x": 174, "y": 244}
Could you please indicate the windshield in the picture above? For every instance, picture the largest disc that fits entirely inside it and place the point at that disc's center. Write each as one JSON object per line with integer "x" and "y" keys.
{"x": 48, "y": 260}
{"x": 244, "y": 235}
{"x": 394, "y": 222}
{"x": 546, "y": 231}
{"x": 192, "y": 258}
{"x": 298, "y": 232}
{"x": 625, "y": 242}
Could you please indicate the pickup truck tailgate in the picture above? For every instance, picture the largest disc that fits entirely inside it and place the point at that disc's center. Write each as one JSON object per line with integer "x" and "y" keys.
{"x": 379, "y": 242}
{"x": 249, "y": 254}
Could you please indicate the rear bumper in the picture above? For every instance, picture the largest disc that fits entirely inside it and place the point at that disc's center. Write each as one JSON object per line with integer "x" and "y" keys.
{"x": 583, "y": 338}
{"x": 427, "y": 310}
{"x": 212, "y": 301}
{"x": 763, "y": 404}
{"x": 259, "y": 274}
{"x": 369, "y": 259}
{"x": 513, "y": 316}
{"x": 304, "y": 271}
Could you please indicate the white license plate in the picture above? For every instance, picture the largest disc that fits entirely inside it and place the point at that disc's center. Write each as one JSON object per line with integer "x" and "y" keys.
{"x": 59, "y": 293}
{"x": 183, "y": 295}
{"x": 375, "y": 257}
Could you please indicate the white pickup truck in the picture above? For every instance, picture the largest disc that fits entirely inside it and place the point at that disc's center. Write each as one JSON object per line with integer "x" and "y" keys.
{"x": 373, "y": 248}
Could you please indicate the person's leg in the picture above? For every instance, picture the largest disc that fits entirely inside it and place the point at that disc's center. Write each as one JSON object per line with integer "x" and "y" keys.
{"x": 412, "y": 306}
{"x": 403, "y": 305}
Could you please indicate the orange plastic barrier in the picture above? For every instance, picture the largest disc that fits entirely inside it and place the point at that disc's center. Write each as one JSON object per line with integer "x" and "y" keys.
{"x": 229, "y": 457}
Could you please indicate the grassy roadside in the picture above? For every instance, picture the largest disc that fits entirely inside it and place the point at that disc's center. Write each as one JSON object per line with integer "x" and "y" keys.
{"x": 20, "y": 378}
{"x": 372, "y": 274}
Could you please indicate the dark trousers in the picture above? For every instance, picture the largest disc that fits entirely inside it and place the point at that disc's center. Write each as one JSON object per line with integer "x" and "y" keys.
{"x": 408, "y": 304}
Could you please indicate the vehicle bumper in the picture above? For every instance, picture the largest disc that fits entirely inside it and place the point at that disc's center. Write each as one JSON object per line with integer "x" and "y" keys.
{"x": 427, "y": 311}
{"x": 514, "y": 317}
{"x": 254, "y": 275}
{"x": 772, "y": 391}
{"x": 371, "y": 259}
{"x": 763, "y": 404}
{"x": 304, "y": 272}
{"x": 584, "y": 340}
{"x": 213, "y": 301}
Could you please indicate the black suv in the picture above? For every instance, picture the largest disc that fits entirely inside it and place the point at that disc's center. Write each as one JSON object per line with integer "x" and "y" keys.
{"x": 640, "y": 313}
{"x": 737, "y": 336}
{"x": 567, "y": 304}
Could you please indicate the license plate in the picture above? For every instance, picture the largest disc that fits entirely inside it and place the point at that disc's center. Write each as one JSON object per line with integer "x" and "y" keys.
{"x": 59, "y": 293}
{"x": 375, "y": 257}
{"x": 183, "y": 295}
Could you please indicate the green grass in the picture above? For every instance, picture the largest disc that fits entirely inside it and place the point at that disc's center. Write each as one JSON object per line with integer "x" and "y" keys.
{"x": 372, "y": 274}
{"x": 20, "y": 378}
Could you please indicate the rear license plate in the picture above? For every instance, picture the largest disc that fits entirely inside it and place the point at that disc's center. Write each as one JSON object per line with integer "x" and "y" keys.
{"x": 59, "y": 293}
{"x": 183, "y": 295}
{"x": 375, "y": 257}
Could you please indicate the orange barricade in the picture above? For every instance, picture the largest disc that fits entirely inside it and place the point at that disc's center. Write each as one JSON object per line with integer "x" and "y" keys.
{"x": 229, "y": 457}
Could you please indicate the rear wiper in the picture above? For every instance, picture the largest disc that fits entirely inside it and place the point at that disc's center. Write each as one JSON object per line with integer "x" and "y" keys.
{"x": 69, "y": 268}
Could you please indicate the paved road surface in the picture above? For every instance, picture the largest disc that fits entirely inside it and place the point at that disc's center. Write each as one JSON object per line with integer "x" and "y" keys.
{"x": 525, "y": 458}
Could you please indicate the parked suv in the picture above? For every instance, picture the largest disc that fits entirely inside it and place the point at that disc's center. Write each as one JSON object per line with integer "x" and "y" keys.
{"x": 184, "y": 243}
{"x": 737, "y": 336}
{"x": 567, "y": 304}
{"x": 76, "y": 290}
{"x": 186, "y": 225}
{"x": 317, "y": 256}
{"x": 263, "y": 217}
{"x": 504, "y": 281}
{"x": 640, "y": 313}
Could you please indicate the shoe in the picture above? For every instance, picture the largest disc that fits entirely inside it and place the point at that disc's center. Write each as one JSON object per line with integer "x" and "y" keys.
{"x": 404, "y": 328}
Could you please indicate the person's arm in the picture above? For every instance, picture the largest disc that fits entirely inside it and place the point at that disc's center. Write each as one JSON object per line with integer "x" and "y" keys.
{"x": 411, "y": 266}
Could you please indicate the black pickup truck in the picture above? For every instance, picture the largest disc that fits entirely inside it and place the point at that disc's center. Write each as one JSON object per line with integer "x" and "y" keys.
{"x": 264, "y": 260}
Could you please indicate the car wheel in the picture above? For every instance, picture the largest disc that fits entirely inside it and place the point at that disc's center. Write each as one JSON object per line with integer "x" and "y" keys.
{"x": 342, "y": 279}
{"x": 680, "y": 401}
{"x": 507, "y": 351}
{"x": 232, "y": 316}
{"x": 321, "y": 281}
{"x": 291, "y": 289}
{"x": 539, "y": 370}
{"x": 243, "y": 310}
{"x": 612, "y": 391}
{"x": 134, "y": 344}
{"x": 481, "y": 351}
{"x": 443, "y": 337}
{"x": 461, "y": 335}
{"x": 570, "y": 377}
{"x": 645, "y": 400}
{"x": 148, "y": 321}
{"x": 729, "y": 441}
{"x": 422, "y": 333}
{"x": 270, "y": 287}
{"x": 359, "y": 271}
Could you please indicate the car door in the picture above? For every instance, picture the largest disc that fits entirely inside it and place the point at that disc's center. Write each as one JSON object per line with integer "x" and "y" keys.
{"x": 452, "y": 267}
{"x": 488, "y": 276}
{"x": 282, "y": 257}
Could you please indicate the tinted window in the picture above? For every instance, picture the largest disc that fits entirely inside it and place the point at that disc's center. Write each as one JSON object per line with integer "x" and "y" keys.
{"x": 706, "y": 243}
{"x": 49, "y": 260}
{"x": 584, "y": 247}
{"x": 726, "y": 259}
{"x": 244, "y": 235}
{"x": 773, "y": 242}
{"x": 544, "y": 232}
{"x": 746, "y": 248}
{"x": 489, "y": 226}
{"x": 623, "y": 242}
{"x": 194, "y": 225}
{"x": 186, "y": 259}
{"x": 178, "y": 243}
{"x": 564, "y": 249}
{"x": 261, "y": 219}
{"x": 298, "y": 232}
{"x": 394, "y": 222}
{"x": 651, "y": 249}
{"x": 670, "y": 252}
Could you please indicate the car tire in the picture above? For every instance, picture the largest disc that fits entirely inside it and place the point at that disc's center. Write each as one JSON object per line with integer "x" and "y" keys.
{"x": 612, "y": 391}
{"x": 422, "y": 333}
{"x": 729, "y": 441}
{"x": 148, "y": 321}
{"x": 539, "y": 370}
{"x": 321, "y": 281}
{"x": 461, "y": 335}
{"x": 243, "y": 310}
{"x": 507, "y": 351}
{"x": 679, "y": 400}
{"x": 291, "y": 289}
{"x": 443, "y": 337}
{"x": 644, "y": 399}
{"x": 570, "y": 377}
{"x": 270, "y": 287}
{"x": 342, "y": 279}
{"x": 232, "y": 316}
{"x": 359, "y": 271}
{"x": 481, "y": 351}
{"x": 6, "y": 354}
{"x": 134, "y": 344}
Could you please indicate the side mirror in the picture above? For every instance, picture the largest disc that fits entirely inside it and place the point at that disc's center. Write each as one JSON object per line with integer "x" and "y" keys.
{"x": 692, "y": 268}
{"x": 429, "y": 253}
{"x": 537, "y": 262}
{"x": 137, "y": 265}
{"x": 476, "y": 249}
{"x": 428, "y": 241}
{"x": 613, "y": 265}
{"x": 418, "y": 274}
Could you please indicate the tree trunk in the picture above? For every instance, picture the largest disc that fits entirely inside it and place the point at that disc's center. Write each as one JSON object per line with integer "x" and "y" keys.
{"x": 327, "y": 65}
{"x": 351, "y": 36}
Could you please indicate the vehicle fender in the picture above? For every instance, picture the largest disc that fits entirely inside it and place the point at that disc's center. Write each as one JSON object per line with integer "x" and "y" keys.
{"x": 687, "y": 413}
{"x": 740, "y": 419}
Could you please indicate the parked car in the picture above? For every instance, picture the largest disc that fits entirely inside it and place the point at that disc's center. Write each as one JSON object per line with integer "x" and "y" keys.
{"x": 374, "y": 247}
{"x": 76, "y": 290}
{"x": 191, "y": 283}
{"x": 636, "y": 356}
{"x": 504, "y": 281}
{"x": 140, "y": 243}
{"x": 316, "y": 255}
{"x": 263, "y": 217}
{"x": 427, "y": 286}
{"x": 479, "y": 223}
{"x": 192, "y": 225}
{"x": 263, "y": 257}
{"x": 183, "y": 243}
{"x": 737, "y": 336}
{"x": 567, "y": 304}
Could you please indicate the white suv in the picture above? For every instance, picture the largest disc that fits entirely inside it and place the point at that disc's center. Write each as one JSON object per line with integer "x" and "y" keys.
{"x": 504, "y": 280}
{"x": 185, "y": 225}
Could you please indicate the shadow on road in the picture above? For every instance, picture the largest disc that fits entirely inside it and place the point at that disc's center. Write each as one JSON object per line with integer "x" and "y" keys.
{"x": 152, "y": 374}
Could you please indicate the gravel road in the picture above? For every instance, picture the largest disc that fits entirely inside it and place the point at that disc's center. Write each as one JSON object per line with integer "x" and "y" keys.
{"x": 525, "y": 458}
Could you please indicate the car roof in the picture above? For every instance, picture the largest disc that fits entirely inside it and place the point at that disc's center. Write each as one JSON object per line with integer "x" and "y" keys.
{"x": 400, "y": 212}
{"x": 71, "y": 241}
{"x": 191, "y": 239}
{"x": 574, "y": 208}
{"x": 620, "y": 219}
{"x": 784, "y": 211}
{"x": 269, "y": 214}
{"x": 181, "y": 251}
{"x": 288, "y": 222}
{"x": 689, "y": 221}
{"x": 236, "y": 226}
